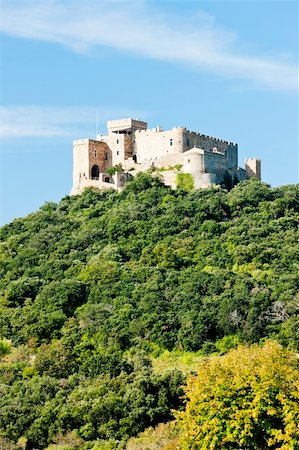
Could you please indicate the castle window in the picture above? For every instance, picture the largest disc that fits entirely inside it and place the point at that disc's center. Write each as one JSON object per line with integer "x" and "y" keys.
{"x": 188, "y": 143}
{"x": 170, "y": 142}
{"x": 95, "y": 172}
{"x": 95, "y": 153}
{"x": 117, "y": 141}
{"x": 117, "y": 152}
{"x": 106, "y": 156}
{"x": 188, "y": 160}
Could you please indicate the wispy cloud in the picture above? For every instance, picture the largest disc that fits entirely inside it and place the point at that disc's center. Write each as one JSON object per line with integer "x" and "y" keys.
{"x": 142, "y": 28}
{"x": 34, "y": 121}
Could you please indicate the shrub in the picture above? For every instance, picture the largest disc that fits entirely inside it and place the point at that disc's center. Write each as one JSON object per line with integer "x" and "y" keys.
{"x": 185, "y": 181}
{"x": 4, "y": 347}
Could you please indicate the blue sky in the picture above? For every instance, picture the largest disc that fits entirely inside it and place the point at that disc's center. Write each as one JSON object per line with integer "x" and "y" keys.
{"x": 224, "y": 68}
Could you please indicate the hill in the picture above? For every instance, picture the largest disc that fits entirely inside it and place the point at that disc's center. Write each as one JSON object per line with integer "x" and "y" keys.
{"x": 103, "y": 295}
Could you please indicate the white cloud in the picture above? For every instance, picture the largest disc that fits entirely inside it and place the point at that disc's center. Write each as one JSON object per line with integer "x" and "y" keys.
{"x": 142, "y": 28}
{"x": 34, "y": 121}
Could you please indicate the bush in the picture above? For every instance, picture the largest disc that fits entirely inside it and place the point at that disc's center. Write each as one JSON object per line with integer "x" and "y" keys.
{"x": 4, "y": 347}
{"x": 163, "y": 437}
{"x": 185, "y": 181}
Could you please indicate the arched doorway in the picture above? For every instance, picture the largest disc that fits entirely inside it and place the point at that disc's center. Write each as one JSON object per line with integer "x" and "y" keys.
{"x": 95, "y": 172}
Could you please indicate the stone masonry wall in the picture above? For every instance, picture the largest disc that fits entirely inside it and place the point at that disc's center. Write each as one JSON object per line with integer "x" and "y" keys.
{"x": 208, "y": 143}
{"x": 87, "y": 153}
{"x": 98, "y": 155}
{"x": 149, "y": 145}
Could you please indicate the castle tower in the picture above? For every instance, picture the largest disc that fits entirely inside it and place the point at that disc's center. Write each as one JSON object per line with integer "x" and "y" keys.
{"x": 121, "y": 138}
{"x": 253, "y": 168}
{"x": 90, "y": 160}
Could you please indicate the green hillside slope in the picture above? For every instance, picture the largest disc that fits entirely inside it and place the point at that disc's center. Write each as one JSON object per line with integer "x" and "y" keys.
{"x": 97, "y": 286}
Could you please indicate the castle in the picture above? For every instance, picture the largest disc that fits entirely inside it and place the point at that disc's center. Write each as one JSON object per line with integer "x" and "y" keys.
{"x": 131, "y": 147}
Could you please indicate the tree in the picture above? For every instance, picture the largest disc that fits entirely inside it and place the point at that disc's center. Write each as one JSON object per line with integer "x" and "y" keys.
{"x": 247, "y": 399}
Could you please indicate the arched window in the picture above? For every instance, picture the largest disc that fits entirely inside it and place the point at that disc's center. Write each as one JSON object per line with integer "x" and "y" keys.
{"x": 95, "y": 172}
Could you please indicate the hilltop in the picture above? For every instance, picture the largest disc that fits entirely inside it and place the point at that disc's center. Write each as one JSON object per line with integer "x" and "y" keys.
{"x": 109, "y": 299}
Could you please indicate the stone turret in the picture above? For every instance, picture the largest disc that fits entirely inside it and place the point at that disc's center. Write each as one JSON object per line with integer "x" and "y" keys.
{"x": 253, "y": 168}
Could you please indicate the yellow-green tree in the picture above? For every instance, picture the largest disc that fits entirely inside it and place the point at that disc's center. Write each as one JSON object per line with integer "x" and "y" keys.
{"x": 246, "y": 399}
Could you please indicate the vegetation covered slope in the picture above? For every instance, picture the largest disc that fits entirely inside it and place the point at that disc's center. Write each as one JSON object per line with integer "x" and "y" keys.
{"x": 94, "y": 286}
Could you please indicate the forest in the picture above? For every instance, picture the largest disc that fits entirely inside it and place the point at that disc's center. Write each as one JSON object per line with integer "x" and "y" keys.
{"x": 118, "y": 310}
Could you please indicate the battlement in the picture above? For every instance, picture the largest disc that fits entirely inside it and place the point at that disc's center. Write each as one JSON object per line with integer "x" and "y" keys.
{"x": 252, "y": 159}
{"x": 212, "y": 138}
{"x": 83, "y": 141}
{"x": 125, "y": 125}
{"x": 159, "y": 129}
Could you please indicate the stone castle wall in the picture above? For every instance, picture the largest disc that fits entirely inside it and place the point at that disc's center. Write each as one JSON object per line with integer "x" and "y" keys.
{"x": 86, "y": 154}
{"x": 150, "y": 145}
{"x": 131, "y": 144}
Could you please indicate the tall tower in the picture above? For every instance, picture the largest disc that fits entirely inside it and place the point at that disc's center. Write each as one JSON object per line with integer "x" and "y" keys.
{"x": 90, "y": 160}
{"x": 253, "y": 168}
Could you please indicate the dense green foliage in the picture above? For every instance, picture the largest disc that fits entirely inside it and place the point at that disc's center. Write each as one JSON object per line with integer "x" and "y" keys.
{"x": 93, "y": 287}
{"x": 249, "y": 397}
